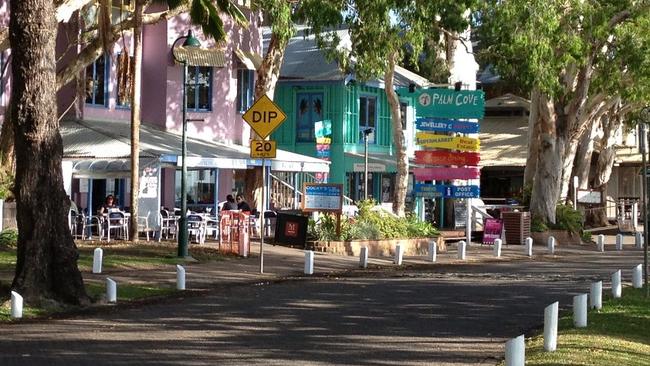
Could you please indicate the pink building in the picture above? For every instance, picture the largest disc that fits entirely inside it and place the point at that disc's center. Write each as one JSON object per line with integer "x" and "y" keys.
{"x": 95, "y": 115}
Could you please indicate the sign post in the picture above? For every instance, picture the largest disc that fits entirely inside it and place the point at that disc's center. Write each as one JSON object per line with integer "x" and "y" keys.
{"x": 264, "y": 116}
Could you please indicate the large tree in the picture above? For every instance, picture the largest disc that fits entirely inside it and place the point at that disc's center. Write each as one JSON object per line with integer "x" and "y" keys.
{"x": 46, "y": 267}
{"x": 576, "y": 57}
{"x": 379, "y": 32}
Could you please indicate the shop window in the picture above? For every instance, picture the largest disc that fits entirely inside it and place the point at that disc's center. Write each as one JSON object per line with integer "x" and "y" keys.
{"x": 309, "y": 111}
{"x": 199, "y": 88}
{"x": 368, "y": 116}
{"x": 97, "y": 82}
{"x": 245, "y": 89}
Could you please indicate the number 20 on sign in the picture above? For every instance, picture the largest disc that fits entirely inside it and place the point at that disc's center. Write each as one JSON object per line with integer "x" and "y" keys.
{"x": 263, "y": 149}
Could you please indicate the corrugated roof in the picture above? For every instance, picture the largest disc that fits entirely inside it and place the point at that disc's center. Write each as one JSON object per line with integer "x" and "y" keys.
{"x": 304, "y": 61}
{"x": 504, "y": 141}
{"x": 195, "y": 56}
{"x": 251, "y": 60}
{"x": 508, "y": 101}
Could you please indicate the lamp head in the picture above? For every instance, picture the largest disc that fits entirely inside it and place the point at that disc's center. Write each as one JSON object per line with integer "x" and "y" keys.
{"x": 191, "y": 41}
{"x": 368, "y": 131}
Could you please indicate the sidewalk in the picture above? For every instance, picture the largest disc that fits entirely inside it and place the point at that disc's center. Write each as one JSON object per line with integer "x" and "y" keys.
{"x": 282, "y": 262}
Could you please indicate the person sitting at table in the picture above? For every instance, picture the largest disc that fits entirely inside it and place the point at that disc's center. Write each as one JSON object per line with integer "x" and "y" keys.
{"x": 242, "y": 204}
{"x": 108, "y": 205}
{"x": 229, "y": 204}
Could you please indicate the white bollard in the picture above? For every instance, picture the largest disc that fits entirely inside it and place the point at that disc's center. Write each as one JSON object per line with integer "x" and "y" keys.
{"x": 180, "y": 277}
{"x": 111, "y": 290}
{"x": 462, "y": 248}
{"x": 433, "y": 251}
{"x": 516, "y": 351}
{"x": 638, "y": 240}
{"x": 617, "y": 288}
{"x": 600, "y": 242}
{"x": 619, "y": 242}
{"x": 16, "y": 305}
{"x": 399, "y": 255}
{"x": 637, "y": 276}
{"x": 580, "y": 310}
{"x": 363, "y": 257}
{"x": 309, "y": 262}
{"x": 98, "y": 256}
{"x": 596, "y": 295}
{"x": 550, "y": 327}
{"x": 497, "y": 248}
{"x": 551, "y": 245}
{"x": 529, "y": 246}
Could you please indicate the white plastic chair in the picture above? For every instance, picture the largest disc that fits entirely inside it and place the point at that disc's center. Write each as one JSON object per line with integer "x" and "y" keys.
{"x": 116, "y": 221}
{"x": 196, "y": 227}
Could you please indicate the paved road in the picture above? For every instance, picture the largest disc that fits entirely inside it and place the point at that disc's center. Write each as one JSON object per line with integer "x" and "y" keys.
{"x": 427, "y": 315}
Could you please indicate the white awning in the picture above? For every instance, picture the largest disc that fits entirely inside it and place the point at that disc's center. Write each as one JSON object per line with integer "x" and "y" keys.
{"x": 107, "y": 144}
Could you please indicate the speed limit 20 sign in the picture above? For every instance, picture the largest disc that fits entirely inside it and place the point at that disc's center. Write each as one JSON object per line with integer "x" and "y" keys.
{"x": 263, "y": 149}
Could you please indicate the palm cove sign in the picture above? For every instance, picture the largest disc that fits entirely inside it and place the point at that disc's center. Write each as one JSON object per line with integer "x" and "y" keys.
{"x": 447, "y": 103}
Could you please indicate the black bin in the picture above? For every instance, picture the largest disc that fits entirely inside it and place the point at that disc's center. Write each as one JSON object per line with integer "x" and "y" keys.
{"x": 291, "y": 229}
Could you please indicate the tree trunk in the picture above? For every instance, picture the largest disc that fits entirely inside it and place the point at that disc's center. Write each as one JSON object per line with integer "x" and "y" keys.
{"x": 546, "y": 187}
{"x": 584, "y": 152}
{"x": 533, "y": 139}
{"x": 136, "y": 81}
{"x": 612, "y": 130}
{"x": 402, "y": 175}
{"x": 566, "y": 179}
{"x": 46, "y": 265}
{"x": 267, "y": 76}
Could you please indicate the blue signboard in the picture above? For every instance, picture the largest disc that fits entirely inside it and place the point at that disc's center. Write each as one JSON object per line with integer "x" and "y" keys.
{"x": 323, "y": 197}
{"x": 447, "y": 103}
{"x": 446, "y": 191}
{"x": 446, "y": 125}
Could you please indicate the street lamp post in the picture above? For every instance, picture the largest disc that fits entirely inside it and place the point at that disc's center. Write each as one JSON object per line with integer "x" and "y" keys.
{"x": 365, "y": 132}
{"x": 643, "y": 141}
{"x": 190, "y": 41}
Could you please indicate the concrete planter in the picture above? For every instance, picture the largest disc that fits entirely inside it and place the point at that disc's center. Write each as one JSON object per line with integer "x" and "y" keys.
{"x": 562, "y": 237}
{"x": 379, "y": 248}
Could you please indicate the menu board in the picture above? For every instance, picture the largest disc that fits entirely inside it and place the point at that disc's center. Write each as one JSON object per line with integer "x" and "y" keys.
{"x": 322, "y": 197}
{"x": 492, "y": 229}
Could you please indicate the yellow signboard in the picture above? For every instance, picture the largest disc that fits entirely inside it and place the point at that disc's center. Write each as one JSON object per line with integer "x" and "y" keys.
{"x": 263, "y": 149}
{"x": 447, "y": 142}
{"x": 264, "y": 116}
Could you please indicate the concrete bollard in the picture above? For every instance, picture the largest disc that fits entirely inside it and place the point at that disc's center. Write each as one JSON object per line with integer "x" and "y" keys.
{"x": 98, "y": 256}
{"x": 638, "y": 240}
{"x": 619, "y": 242}
{"x": 399, "y": 255}
{"x": 580, "y": 310}
{"x": 433, "y": 251}
{"x": 551, "y": 245}
{"x": 550, "y": 327}
{"x": 596, "y": 295}
{"x": 529, "y": 246}
{"x": 16, "y": 305}
{"x": 309, "y": 262}
{"x": 111, "y": 290}
{"x": 462, "y": 248}
{"x": 637, "y": 276}
{"x": 516, "y": 351}
{"x": 600, "y": 242}
{"x": 617, "y": 288}
{"x": 497, "y": 248}
{"x": 363, "y": 257}
{"x": 180, "y": 277}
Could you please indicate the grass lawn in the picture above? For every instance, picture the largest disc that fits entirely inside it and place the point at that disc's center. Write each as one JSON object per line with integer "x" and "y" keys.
{"x": 117, "y": 256}
{"x": 619, "y": 334}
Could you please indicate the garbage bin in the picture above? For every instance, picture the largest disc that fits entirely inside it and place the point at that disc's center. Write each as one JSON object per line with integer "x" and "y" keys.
{"x": 517, "y": 226}
{"x": 291, "y": 229}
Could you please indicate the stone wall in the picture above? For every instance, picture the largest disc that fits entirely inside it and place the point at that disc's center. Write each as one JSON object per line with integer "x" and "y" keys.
{"x": 379, "y": 248}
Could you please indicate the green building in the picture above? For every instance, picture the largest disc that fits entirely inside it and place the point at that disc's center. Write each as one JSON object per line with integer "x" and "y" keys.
{"x": 314, "y": 92}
